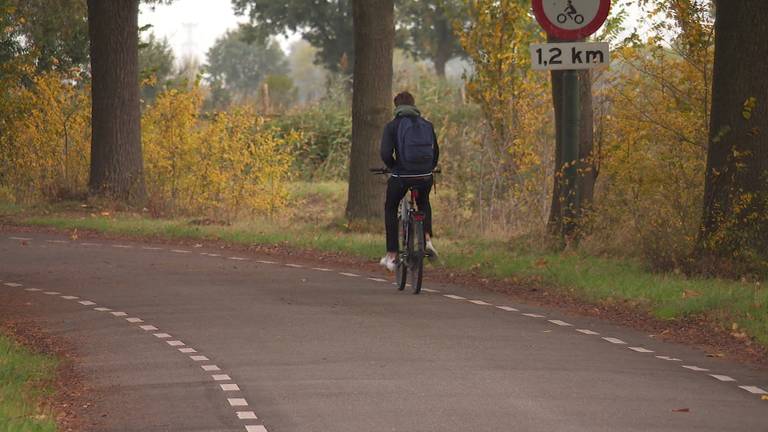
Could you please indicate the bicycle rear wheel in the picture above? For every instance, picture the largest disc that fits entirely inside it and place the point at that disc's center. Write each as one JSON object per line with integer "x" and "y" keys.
{"x": 417, "y": 264}
{"x": 401, "y": 271}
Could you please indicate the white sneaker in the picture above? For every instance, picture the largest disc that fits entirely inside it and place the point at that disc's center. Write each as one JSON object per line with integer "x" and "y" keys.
{"x": 431, "y": 251}
{"x": 389, "y": 263}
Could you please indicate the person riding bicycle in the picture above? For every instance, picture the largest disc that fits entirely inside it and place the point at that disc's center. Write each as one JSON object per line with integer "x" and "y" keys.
{"x": 409, "y": 149}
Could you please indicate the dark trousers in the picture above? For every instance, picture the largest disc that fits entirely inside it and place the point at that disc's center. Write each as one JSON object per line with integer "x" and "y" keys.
{"x": 396, "y": 190}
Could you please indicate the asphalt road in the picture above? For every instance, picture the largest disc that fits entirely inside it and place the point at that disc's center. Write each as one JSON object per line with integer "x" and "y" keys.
{"x": 185, "y": 340}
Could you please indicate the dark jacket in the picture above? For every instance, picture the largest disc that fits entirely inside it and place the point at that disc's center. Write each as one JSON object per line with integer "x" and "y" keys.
{"x": 389, "y": 148}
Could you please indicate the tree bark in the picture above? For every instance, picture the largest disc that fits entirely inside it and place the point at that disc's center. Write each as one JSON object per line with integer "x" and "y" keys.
{"x": 116, "y": 161}
{"x": 587, "y": 167}
{"x": 735, "y": 217}
{"x": 371, "y": 103}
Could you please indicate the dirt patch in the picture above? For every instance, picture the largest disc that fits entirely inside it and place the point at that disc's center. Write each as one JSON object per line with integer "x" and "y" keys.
{"x": 71, "y": 397}
{"x": 705, "y": 333}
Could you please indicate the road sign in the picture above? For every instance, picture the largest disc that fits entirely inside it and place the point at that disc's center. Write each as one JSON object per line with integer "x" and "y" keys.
{"x": 571, "y": 19}
{"x": 570, "y": 55}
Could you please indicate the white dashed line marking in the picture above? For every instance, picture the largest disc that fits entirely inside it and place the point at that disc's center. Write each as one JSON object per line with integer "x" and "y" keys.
{"x": 668, "y": 358}
{"x": 187, "y": 350}
{"x": 180, "y": 251}
{"x": 237, "y": 402}
{"x": 423, "y": 289}
{"x": 222, "y": 377}
{"x": 134, "y": 320}
{"x": 122, "y": 246}
{"x": 70, "y": 297}
{"x": 162, "y": 335}
{"x": 349, "y": 274}
{"x": 213, "y": 255}
{"x": 640, "y": 349}
{"x": 238, "y": 259}
{"x": 151, "y": 248}
{"x": 294, "y": 265}
{"x": 52, "y": 293}
{"x": 229, "y": 387}
{"x": 696, "y": 368}
{"x": 175, "y": 343}
{"x": 89, "y": 244}
{"x": 199, "y": 358}
{"x": 265, "y": 262}
{"x": 246, "y": 415}
{"x": 210, "y": 368}
{"x": 14, "y": 285}
{"x": 102, "y": 309}
{"x": 480, "y": 302}
{"x": 384, "y": 280}
{"x": 320, "y": 269}
{"x": 588, "y": 332}
{"x": 87, "y": 303}
{"x": 533, "y": 315}
{"x": 754, "y": 390}
{"x": 561, "y": 323}
{"x": 148, "y": 328}
{"x": 255, "y": 428}
{"x": 32, "y": 289}
{"x": 119, "y": 314}
{"x": 614, "y": 340}
{"x": 723, "y": 378}
{"x": 20, "y": 238}
{"x": 508, "y": 308}
{"x": 451, "y": 296}
{"x": 57, "y": 241}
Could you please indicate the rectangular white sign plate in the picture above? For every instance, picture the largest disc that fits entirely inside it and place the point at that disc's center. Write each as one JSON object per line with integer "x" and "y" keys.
{"x": 569, "y": 56}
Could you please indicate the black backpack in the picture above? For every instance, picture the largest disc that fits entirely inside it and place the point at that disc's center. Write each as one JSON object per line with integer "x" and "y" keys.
{"x": 415, "y": 144}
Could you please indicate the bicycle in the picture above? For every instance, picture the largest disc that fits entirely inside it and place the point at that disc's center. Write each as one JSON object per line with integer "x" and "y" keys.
{"x": 412, "y": 239}
{"x": 570, "y": 12}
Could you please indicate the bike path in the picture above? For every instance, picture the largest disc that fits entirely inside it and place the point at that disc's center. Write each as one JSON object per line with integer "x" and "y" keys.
{"x": 304, "y": 348}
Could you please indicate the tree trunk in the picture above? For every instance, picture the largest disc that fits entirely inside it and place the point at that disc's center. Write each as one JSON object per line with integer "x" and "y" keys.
{"x": 445, "y": 42}
{"x": 116, "y": 162}
{"x": 735, "y": 218}
{"x": 587, "y": 167}
{"x": 371, "y": 104}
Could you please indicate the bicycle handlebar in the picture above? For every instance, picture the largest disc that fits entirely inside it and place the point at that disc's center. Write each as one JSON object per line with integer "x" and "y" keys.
{"x": 389, "y": 171}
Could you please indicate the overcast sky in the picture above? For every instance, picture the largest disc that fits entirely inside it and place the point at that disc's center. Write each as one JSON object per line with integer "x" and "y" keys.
{"x": 192, "y": 26}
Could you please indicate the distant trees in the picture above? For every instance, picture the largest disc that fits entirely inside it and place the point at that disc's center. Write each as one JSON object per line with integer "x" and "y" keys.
{"x": 237, "y": 66}
{"x": 425, "y": 27}
{"x": 156, "y": 66}
{"x": 735, "y": 218}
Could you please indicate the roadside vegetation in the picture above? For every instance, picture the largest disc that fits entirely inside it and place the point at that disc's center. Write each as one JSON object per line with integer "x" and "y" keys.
{"x": 25, "y": 382}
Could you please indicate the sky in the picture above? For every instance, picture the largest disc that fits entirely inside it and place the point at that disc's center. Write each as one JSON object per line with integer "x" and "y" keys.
{"x": 192, "y": 26}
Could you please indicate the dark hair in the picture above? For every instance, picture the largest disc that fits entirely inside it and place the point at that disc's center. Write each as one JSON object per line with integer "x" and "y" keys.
{"x": 404, "y": 98}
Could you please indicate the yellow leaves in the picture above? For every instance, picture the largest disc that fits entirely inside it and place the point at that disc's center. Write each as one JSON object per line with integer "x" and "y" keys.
{"x": 224, "y": 164}
{"x": 749, "y": 106}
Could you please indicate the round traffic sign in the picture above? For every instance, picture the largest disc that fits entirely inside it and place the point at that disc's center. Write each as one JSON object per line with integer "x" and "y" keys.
{"x": 571, "y": 19}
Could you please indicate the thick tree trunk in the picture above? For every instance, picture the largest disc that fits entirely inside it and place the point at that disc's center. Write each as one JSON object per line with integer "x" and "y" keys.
{"x": 587, "y": 169}
{"x": 735, "y": 217}
{"x": 371, "y": 104}
{"x": 116, "y": 162}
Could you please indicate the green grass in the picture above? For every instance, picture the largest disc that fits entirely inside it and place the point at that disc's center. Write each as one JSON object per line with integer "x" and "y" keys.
{"x": 315, "y": 224}
{"x": 24, "y": 382}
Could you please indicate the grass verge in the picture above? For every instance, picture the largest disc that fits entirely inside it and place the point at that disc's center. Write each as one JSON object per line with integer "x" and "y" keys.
{"x": 25, "y": 381}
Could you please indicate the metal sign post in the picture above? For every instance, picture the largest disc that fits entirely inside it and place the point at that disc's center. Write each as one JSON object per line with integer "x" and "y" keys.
{"x": 570, "y": 20}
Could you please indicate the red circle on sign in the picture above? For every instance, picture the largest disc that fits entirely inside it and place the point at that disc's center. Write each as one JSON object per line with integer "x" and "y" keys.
{"x": 564, "y": 34}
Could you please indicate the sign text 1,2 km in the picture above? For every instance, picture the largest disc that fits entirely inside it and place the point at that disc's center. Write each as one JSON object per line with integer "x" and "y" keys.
{"x": 569, "y": 56}
{"x": 570, "y": 20}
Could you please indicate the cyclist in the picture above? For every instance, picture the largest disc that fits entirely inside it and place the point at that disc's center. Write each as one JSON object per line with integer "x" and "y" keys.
{"x": 409, "y": 149}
